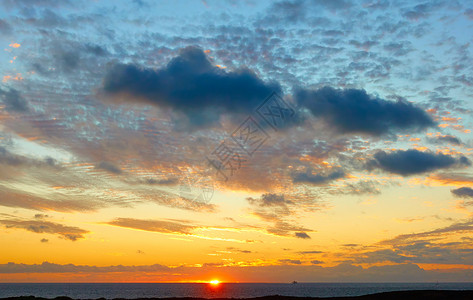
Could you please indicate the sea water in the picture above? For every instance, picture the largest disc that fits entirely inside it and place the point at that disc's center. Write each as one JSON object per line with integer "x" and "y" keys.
{"x": 222, "y": 290}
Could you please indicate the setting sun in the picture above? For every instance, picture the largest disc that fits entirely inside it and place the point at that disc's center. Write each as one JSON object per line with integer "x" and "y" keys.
{"x": 214, "y": 282}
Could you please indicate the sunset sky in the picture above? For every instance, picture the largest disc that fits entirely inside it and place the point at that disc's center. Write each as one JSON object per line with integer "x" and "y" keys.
{"x": 244, "y": 141}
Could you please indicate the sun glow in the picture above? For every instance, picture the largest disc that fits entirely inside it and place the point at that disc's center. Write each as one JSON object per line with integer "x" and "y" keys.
{"x": 214, "y": 282}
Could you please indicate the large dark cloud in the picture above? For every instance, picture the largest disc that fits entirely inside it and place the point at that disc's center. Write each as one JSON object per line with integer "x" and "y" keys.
{"x": 191, "y": 85}
{"x": 410, "y": 162}
{"x": 354, "y": 111}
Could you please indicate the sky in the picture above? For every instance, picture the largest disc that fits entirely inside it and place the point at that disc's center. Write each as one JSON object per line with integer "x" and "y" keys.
{"x": 240, "y": 141}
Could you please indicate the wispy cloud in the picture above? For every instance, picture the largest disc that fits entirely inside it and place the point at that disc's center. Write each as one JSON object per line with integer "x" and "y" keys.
{"x": 67, "y": 232}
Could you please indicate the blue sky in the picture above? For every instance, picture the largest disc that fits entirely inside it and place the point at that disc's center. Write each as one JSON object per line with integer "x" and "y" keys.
{"x": 110, "y": 109}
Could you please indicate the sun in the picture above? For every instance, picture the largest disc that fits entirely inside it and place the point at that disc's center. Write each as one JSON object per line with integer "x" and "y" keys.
{"x": 214, "y": 282}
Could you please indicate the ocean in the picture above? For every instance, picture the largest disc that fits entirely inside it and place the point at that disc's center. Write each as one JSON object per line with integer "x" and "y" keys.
{"x": 224, "y": 290}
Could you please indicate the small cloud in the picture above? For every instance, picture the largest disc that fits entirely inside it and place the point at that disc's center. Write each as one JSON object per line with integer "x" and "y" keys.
{"x": 464, "y": 192}
{"x": 5, "y": 28}
{"x": 164, "y": 181}
{"x": 302, "y": 235}
{"x": 13, "y": 100}
{"x": 358, "y": 188}
{"x": 14, "y": 45}
{"x": 350, "y": 245}
{"x": 269, "y": 199}
{"x": 310, "y": 252}
{"x": 41, "y": 216}
{"x": 110, "y": 167}
{"x": 238, "y": 250}
{"x": 290, "y": 261}
{"x": 442, "y": 139}
{"x": 44, "y": 240}
{"x": 316, "y": 179}
{"x": 316, "y": 262}
{"x": 67, "y": 232}
{"x": 51, "y": 161}
{"x": 162, "y": 226}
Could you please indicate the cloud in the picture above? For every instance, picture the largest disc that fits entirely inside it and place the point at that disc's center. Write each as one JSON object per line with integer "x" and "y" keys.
{"x": 310, "y": 252}
{"x": 281, "y": 227}
{"x": 419, "y": 11}
{"x": 69, "y": 61}
{"x": 302, "y": 235}
{"x": 316, "y": 262}
{"x": 275, "y": 208}
{"x": 270, "y": 207}
{"x": 385, "y": 255}
{"x": 164, "y": 181}
{"x": 410, "y": 162}
{"x": 67, "y": 232}
{"x": 191, "y": 86}
{"x": 161, "y": 226}
{"x": 7, "y": 158}
{"x": 5, "y": 28}
{"x": 32, "y": 3}
{"x": 21, "y": 199}
{"x": 44, "y": 240}
{"x": 289, "y": 11}
{"x": 419, "y": 251}
{"x": 41, "y": 216}
{"x": 177, "y": 227}
{"x": 354, "y": 111}
{"x": 13, "y": 100}
{"x": 357, "y": 188}
{"x": 465, "y": 192}
{"x": 290, "y": 261}
{"x": 459, "y": 178}
{"x": 459, "y": 227}
{"x": 233, "y": 249}
{"x": 47, "y": 267}
{"x": 287, "y": 271}
{"x": 316, "y": 179}
{"x": 109, "y": 167}
{"x": 297, "y": 11}
{"x": 269, "y": 200}
{"x": 450, "y": 139}
{"x": 469, "y": 13}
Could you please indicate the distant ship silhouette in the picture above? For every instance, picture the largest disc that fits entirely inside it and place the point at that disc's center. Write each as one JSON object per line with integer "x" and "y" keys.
{"x": 294, "y": 282}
